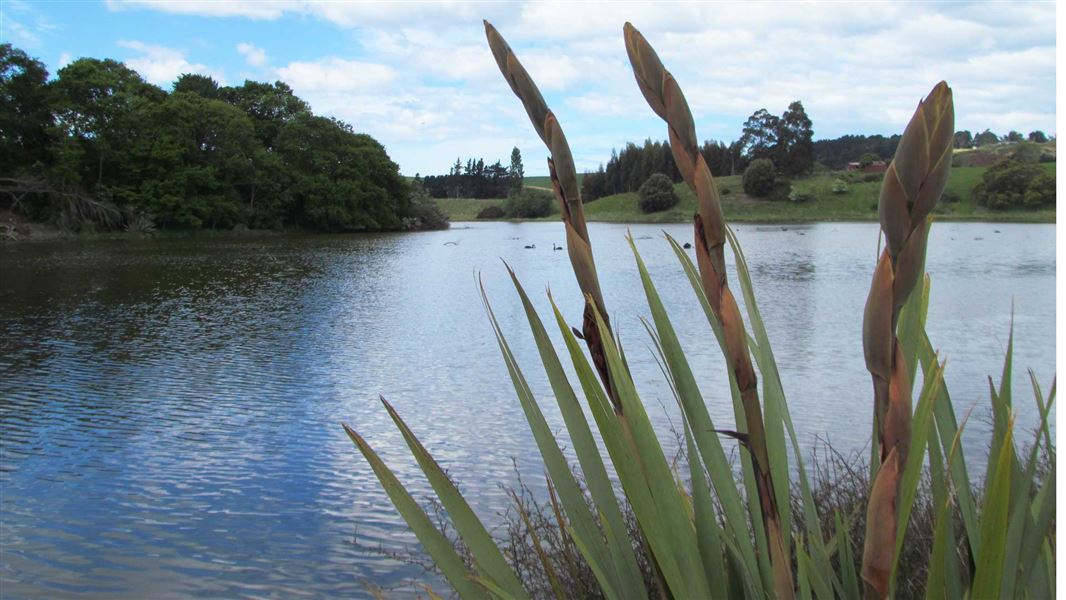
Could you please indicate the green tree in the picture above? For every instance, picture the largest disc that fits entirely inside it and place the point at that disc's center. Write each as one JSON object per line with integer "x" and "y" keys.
{"x": 868, "y": 158}
{"x": 963, "y": 139}
{"x": 760, "y": 178}
{"x": 25, "y": 111}
{"x": 1038, "y": 136}
{"x": 193, "y": 161}
{"x": 795, "y": 141}
{"x": 1014, "y": 136}
{"x": 722, "y": 159}
{"x": 97, "y": 103}
{"x": 341, "y": 180}
{"x": 516, "y": 172}
{"x": 760, "y": 135}
{"x": 594, "y": 185}
{"x": 194, "y": 83}
{"x": 657, "y": 194}
{"x": 423, "y": 212}
{"x": 271, "y": 107}
{"x": 985, "y": 138}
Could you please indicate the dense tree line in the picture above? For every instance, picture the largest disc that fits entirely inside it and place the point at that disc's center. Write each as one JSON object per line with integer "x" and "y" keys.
{"x": 476, "y": 179}
{"x": 200, "y": 156}
{"x": 627, "y": 170}
{"x": 965, "y": 139}
{"x": 837, "y": 153}
{"x": 786, "y": 140}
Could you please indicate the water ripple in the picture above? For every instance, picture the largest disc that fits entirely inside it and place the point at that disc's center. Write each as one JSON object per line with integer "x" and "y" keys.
{"x": 169, "y": 410}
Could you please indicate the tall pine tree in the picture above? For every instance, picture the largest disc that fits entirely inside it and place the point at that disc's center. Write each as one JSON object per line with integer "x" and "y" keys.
{"x": 516, "y": 172}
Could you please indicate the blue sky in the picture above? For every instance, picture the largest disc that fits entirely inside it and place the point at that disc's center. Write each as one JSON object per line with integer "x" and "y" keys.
{"x": 419, "y": 77}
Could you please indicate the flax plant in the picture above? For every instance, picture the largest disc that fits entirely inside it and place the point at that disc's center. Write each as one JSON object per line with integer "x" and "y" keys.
{"x": 664, "y": 96}
{"x": 912, "y": 185}
{"x": 566, "y": 190}
{"x": 710, "y": 536}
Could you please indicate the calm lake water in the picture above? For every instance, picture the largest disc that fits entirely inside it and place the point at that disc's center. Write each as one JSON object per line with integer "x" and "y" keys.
{"x": 171, "y": 409}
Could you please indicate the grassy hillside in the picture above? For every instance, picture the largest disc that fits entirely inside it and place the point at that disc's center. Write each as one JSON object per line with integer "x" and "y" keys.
{"x": 992, "y": 153}
{"x": 465, "y": 209}
{"x": 858, "y": 203}
{"x": 544, "y": 181}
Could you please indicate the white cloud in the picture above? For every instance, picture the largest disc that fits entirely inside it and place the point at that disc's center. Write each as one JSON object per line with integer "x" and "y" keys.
{"x": 343, "y": 14}
{"x": 162, "y": 65}
{"x": 418, "y": 75}
{"x": 24, "y": 25}
{"x": 253, "y": 55}
{"x": 212, "y": 8}
{"x": 335, "y": 75}
{"x": 65, "y": 59}
{"x": 20, "y": 34}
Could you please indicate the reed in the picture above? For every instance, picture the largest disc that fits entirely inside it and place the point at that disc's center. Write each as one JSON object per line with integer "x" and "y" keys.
{"x": 769, "y": 534}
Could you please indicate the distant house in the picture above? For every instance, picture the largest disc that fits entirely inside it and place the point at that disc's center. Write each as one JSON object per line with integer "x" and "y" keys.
{"x": 878, "y": 166}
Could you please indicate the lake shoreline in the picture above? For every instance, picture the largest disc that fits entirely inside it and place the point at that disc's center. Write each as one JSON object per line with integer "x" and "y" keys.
{"x": 1033, "y": 219}
{"x": 39, "y": 233}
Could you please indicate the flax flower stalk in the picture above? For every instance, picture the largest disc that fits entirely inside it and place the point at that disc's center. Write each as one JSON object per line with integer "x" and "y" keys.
{"x": 567, "y": 193}
{"x": 664, "y": 96}
{"x": 913, "y": 183}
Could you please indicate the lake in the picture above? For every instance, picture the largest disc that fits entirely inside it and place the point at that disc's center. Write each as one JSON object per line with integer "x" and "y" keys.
{"x": 171, "y": 409}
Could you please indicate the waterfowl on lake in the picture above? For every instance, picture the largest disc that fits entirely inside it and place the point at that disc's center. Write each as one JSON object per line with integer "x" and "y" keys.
{"x": 554, "y": 247}
{"x": 531, "y": 246}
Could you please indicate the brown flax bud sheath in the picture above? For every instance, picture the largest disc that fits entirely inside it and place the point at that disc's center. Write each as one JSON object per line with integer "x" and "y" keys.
{"x": 564, "y": 184}
{"x": 913, "y": 184}
{"x": 665, "y": 98}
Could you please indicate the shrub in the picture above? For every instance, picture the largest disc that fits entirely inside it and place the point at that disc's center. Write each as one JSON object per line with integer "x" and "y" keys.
{"x": 870, "y": 177}
{"x": 760, "y": 177}
{"x": 1004, "y": 184}
{"x": 491, "y": 212}
{"x": 949, "y": 197}
{"x": 1027, "y": 152}
{"x": 1041, "y": 191}
{"x": 528, "y": 204}
{"x": 840, "y": 186}
{"x": 868, "y": 159}
{"x": 424, "y": 214}
{"x": 798, "y": 196}
{"x": 725, "y": 192}
{"x": 781, "y": 191}
{"x": 657, "y": 194}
